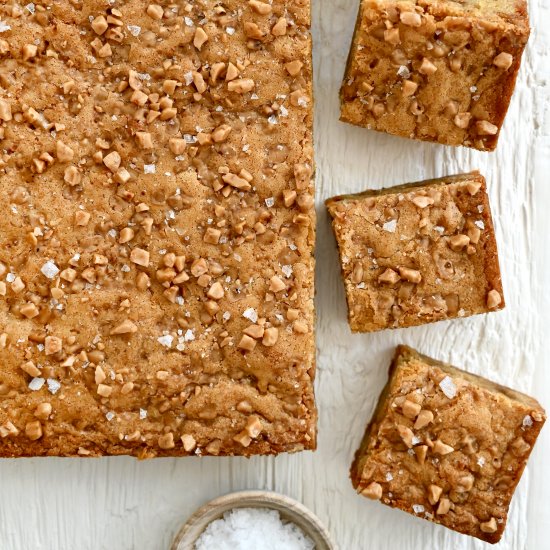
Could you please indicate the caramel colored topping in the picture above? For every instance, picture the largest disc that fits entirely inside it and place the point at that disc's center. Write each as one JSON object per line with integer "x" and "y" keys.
{"x": 373, "y": 491}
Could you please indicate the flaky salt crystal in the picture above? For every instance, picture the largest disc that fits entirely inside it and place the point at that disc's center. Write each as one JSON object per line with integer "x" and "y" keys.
{"x": 36, "y": 383}
{"x": 390, "y": 226}
{"x": 53, "y": 385}
{"x": 166, "y": 340}
{"x": 448, "y": 387}
{"x": 142, "y": 414}
{"x": 250, "y": 314}
{"x": 418, "y": 508}
{"x": 49, "y": 269}
{"x": 252, "y": 529}
{"x": 527, "y": 422}
{"x": 403, "y": 72}
{"x": 134, "y": 29}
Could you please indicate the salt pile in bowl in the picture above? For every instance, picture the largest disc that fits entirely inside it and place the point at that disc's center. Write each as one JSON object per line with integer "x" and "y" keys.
{"x": 253, "y": 529}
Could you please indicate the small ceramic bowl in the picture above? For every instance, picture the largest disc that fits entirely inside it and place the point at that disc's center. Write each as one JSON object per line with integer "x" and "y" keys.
{"x": 288, "y": 508}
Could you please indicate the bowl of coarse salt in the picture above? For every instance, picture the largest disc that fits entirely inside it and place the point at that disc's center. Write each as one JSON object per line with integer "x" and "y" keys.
{"x": 253, "y": 520}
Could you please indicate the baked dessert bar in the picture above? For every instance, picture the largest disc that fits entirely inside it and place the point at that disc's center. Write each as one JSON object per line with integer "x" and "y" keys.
{"x": 435, "y": 70}
{"x": 417, "y": 253}
{"x": 156, "y": 242}
{"x": 447, "y": 446}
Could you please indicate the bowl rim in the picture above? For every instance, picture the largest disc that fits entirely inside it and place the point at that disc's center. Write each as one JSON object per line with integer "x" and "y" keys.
{"x": 294, "y": 510}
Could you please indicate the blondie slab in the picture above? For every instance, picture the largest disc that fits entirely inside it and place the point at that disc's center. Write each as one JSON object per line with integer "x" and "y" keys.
{"x": 436, "y": 70}
{"x": 447, "y": 446}
{"x": 417, "y": 253}
{"x": 156, "y": 242}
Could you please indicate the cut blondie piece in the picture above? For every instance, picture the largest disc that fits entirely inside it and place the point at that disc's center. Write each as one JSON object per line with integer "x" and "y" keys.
{"x": 435, "y": 70}
{"x": 417, "y": 253}
{"x": 156, "y": 240}
{"x": 447, "y": 446}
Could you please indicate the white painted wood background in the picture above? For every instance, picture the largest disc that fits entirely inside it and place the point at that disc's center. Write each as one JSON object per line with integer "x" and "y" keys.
{"x": 123, "y": 504}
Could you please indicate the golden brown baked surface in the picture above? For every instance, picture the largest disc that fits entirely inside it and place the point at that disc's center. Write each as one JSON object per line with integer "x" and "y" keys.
{"x": 447, "y": 446}
{"x": 156, "y": 242}
{"x": 417, "y": 253}
{"x": 435, "y": 70}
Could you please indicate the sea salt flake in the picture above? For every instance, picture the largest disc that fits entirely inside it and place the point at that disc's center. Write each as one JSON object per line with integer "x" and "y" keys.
{"x": 4, "y": 27}
{"x": 30, "y": 7}
{"x": 166, "y": 340}
{"x": 142, "y": 414}
{"x": 110, "y": 415}
{"x": 10, "y": 277}
{"x": 527, "y": 422}
{"x": 480, "y": 224}
{"x": 149, "y": 168}
{"x": 189, "y": 22}
{"x": 416, "y": 440}
{"x": 390, "y": 226}
{"x": 269, "y": 202}
{"x": 448, "y": 387}
{"x": 226, "y": 316}
{"x": 389, "y": 477}
{"x": 134, "y": 30}
{"x": 250, "y": 314}
{"x": 272, "y": 119}
{"x": 287, "y": 270}
{"x": 53, "y": 385}
{"x": 36, "y": 383}
{"x": 481, "y": 461}
{"x": 188, "y": 77}
{"x": 49, "y": 269}
{"x": 189, "y": 336}
{"x": 230, "y": 31}
{"x": 403, "y": 72}
{"x": 247, "y": 528}
{"x": 418, "y": 508}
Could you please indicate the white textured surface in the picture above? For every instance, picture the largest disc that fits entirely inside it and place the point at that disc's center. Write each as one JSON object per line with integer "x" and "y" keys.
{"x": 122, "y": 504}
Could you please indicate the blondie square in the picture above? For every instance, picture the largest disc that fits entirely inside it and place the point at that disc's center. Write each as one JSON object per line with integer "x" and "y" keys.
{"x": 447, "y": 446}
{"x": 435, "y": 70}
{"x": 417, "y": 253}
{"x": 156, "y": 240}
